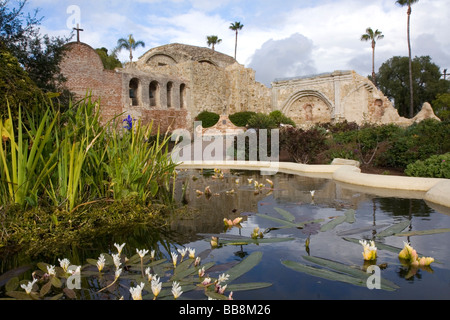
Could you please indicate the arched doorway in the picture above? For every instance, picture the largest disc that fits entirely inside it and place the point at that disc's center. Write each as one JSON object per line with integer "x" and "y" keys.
{"x": 169, "y": 94}
{"x": 154, "y": 93}
{"x": 182, "y": 96}
{"x": 134, "y": 91}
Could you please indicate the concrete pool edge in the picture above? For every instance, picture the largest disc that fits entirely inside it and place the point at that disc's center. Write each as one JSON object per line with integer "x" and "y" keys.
{"x": 434, "y": 190}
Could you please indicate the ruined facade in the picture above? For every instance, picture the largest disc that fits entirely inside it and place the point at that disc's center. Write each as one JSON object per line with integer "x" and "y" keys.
{"x": 171, "y": 84}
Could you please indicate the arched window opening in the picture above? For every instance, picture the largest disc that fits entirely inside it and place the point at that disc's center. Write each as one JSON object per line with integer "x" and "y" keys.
{"x": 154, "y": 93}
{"x": 182, "y": 96}
{"x": 169, "y": 94}
{"x": 134, "y": 91}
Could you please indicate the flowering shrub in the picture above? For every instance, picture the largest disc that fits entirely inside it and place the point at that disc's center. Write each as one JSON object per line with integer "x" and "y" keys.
{"x": 437, "y": 166}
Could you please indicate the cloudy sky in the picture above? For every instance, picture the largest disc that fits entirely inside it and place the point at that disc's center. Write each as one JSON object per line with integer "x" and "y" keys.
{"x": 280, "y": 39}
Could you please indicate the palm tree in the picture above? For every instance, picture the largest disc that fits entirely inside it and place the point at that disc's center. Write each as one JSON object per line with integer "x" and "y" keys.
{"x": 129, "y": 44}
{"x": 372, "y": 36}
{"x": 213, "y": 40}
{"x": 408, "y": 12}
{"x": 236, "y": 27}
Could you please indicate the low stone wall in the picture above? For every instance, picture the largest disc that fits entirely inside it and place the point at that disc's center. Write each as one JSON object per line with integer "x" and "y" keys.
{"x": 434, "y": 190}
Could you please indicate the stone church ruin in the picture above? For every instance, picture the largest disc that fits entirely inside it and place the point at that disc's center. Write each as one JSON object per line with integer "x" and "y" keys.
{"x": 171, "y": 84}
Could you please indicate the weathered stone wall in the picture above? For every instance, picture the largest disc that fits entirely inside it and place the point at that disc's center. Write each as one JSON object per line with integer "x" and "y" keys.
{"x": 337, "y": 96}
{"x": 84, "y": 71}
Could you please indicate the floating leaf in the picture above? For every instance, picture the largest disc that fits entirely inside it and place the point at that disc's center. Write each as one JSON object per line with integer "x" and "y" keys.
{"x": 245, "y": 265}
{"x": 56, "y": 282}
{"x": 12, "y": 284}
{"x": 280, "y": 221}
{"x": 245, "y": 241}
{"x": 7, "y": 276}
{"x": 19, "y": 295}
{"x": 360, "y": 230}
{"x": 248, "y": 286}
{"x": 395, "y": 228}
{"x": 349, "y": 217}
{"x": 45, "y": 289}
{"x": 182, "y": 274}
{"x": 422, "y": 232}
{"x": 215, "y": 296}
{"x": 286, "y": 214}
{"x": 323, "y": 273}
{"x": 70, "y": 293}
{"x": 352, "y": 271}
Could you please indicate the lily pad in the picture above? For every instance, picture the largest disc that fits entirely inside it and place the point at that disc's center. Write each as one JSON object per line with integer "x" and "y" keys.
{"x": 394, "y": 229}
{"x": 245, "y": 265}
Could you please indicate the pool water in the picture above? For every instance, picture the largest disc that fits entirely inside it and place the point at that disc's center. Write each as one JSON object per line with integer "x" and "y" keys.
{"x": 292, "y": 193}
{"x": 295, "y": 210}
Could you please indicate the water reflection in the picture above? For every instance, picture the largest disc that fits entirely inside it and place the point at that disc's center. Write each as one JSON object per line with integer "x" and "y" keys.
{"x": 234, "y": 195}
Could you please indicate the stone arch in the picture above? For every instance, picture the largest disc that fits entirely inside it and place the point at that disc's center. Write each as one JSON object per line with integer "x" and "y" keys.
{"x": 161, "y": 59}
{"x": 308, "y": 106}
{"x": 154, "y": 93}
{"x": 134, "y": 91}
{"x": 207, "y": 61}
{"x": 169, "y": 91}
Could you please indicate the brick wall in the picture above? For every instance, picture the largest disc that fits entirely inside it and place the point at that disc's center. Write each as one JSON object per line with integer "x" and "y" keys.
{"x": 84, "y": 71}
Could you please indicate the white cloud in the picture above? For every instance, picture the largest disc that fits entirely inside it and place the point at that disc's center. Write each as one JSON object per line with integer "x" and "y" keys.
{"x": 287, "y": 57}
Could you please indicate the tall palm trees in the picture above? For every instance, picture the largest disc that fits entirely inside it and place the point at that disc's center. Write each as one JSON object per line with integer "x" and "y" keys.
{"x": 212, "y": 41}
{"x": 236, "y": 27}
{"x": 129, "y": 44}
{"x": 408, "y": 12}
{"x": 372, "y": 36}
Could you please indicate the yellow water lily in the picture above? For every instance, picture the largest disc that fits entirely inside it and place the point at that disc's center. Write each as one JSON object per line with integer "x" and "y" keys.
{"x": 408, "y": 253}
{"x": 231, "y": 223}
{"x": 369, "y": 250}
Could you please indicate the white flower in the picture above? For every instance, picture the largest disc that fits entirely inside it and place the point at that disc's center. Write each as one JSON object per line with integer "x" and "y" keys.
{"x": 117, "y": 273}
{"x": 136, "y": 293}
{"x": 174, "y": 258}
{"x": 249, "y": 180}
{"x": 191, "y": 253}
{"x": 182, "y": 252}
{"x": 176, "y": 289}
{"x": 223, "y": 277}
{"x": 142, "y": 253}
{"x": 156, "y": 286}
{"x": 51, "y": 270}
{"x": 152, "y": 254}
{"x": 206, "y": 281}
{"x": 222, "y": 289}
{"x": 201, "y": 272}
{"x": 312, "y": 193}
{"x": 119, "y": 247}
{"x": 28, "y": 287}
{"x": 149, "y": 274}
{"x": 116, "y": 259}
{"x": 197, "y": 261}
{"x": 64, "y": 263}
{"x": 101, "y": 262}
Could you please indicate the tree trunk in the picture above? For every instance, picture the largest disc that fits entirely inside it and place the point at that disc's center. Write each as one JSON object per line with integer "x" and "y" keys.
{"x": 235, "y": 45}
{"x": 411, "y": 105}
{"x": 373, "y": 63}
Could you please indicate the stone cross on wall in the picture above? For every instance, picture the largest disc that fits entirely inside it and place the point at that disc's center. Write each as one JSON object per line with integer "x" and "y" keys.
{"x": 78, "y": 32}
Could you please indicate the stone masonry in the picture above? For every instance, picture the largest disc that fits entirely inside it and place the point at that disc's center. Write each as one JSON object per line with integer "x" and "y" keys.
{"x": 171, "y": 84}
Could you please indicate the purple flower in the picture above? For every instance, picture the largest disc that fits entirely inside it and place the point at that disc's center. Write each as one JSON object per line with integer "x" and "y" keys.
{"x": 128, "y": 123}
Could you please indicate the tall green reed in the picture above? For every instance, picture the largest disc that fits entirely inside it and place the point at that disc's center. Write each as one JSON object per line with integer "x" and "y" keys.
{"x": 71, "y": 159}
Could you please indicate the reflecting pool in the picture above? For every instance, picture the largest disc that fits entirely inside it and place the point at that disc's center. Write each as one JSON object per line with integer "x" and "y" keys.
{"x": 307, "y": 245}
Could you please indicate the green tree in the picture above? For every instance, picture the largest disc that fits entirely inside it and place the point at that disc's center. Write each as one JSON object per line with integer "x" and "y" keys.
{"x": 212, "y": 41}
{"x": 39, "y": 55}
{"x": 372, "y": 36}
{"x": 441, "y": 106}
{"x": 129, "y": 44}
{"x": 16, "y": 87}
{"x": 427, "y": 83}
{"x": 411, "y": 87}
{"x": 110, "y": 61}
{"x": 236, "y": 27}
